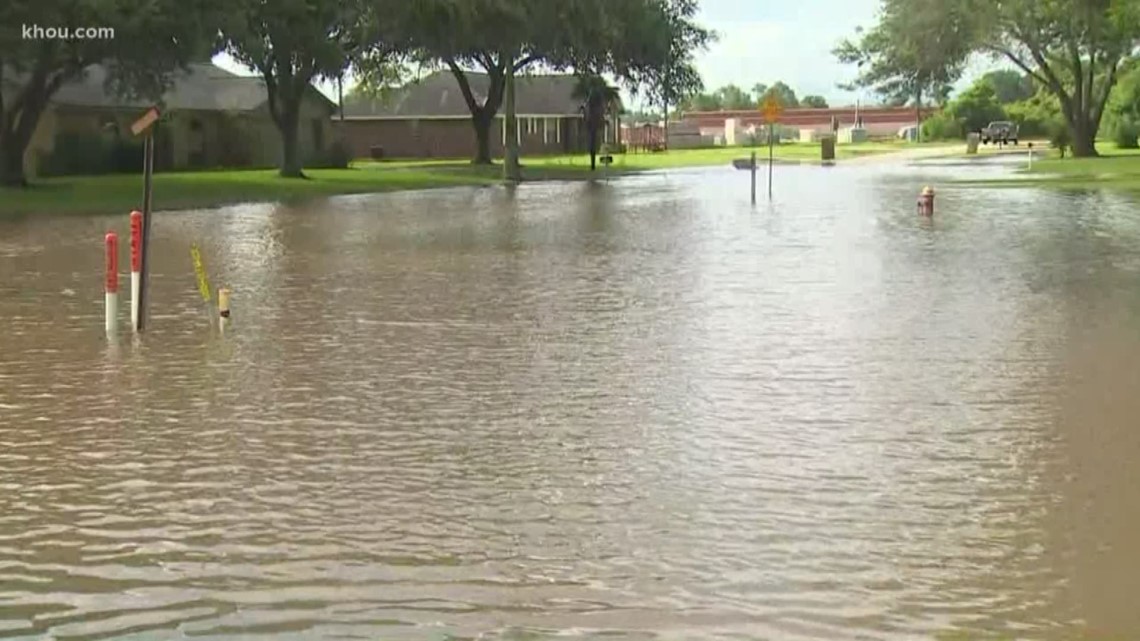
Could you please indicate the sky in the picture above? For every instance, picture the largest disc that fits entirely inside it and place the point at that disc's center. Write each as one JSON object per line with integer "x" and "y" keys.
{"x": 770, "y": 40}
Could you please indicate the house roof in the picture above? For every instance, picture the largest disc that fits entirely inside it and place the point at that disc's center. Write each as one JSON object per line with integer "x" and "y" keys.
{"x": 438, "y": 96}
{"x": 202, "y": 86}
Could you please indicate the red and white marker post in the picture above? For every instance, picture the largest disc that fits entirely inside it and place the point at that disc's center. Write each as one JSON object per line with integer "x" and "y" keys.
{"x": 136, "y": 266}
{"x": 111, "y": 284}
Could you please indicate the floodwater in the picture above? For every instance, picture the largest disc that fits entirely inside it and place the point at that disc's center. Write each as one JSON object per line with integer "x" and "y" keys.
{"x": 634, "y": 410}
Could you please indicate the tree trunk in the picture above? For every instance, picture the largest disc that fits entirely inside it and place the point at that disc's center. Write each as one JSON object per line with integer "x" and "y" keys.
{"x": 291, "y": 166}
{"x": 1084, "y": 143}
{"x": 1083, "y": 135}
{"x": 12, "y": 162}
{"x": 18, "y": 128}
{"x": 481, "y": 122}
{"x": 592, "y": 143}
{"x": 918, "y": 116}
{"x": 511, "y": 169}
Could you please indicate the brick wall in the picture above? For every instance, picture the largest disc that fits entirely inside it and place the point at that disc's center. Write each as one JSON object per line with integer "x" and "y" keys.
{"x": 455, "y": 138}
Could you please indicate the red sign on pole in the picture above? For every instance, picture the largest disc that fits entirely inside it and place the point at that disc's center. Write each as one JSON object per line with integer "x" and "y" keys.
{"x": 147, "y": 120}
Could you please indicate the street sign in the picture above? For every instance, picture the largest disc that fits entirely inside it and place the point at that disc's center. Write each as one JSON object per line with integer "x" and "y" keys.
{"x": 772, "y": 109}
{"x": 147, "y": 120}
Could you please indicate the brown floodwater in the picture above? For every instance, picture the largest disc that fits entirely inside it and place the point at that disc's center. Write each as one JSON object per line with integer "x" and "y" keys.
{"x": 634, "y": 410}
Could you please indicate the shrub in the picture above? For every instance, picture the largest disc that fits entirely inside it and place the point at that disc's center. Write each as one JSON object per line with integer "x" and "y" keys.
{"x": 942, "y": 126}
{"x": 91, "y": 153}
{"x": 977, "y": 107}
{"x": 1032, "y": 121}
{"x": 125, "y": 156}
{"x": 1059, "y": 136}
{"x": 1125, "y": 134}
{"x": 335, "y": 156}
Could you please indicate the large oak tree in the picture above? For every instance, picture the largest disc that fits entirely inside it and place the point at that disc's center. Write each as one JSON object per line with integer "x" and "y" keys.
{"x": 291, "y": 43}
{"x": 1074, "y": 48}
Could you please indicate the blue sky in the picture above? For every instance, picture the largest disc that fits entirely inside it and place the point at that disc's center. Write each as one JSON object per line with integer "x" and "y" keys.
{"x": 770, "y": 40}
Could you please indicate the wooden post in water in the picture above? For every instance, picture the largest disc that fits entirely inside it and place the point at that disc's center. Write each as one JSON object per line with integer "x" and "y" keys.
{"x": 771, "y": 144}
{"x": 148, "y": 124}
{"x": 752, "y": 170}
{"x": 144, "y": 265}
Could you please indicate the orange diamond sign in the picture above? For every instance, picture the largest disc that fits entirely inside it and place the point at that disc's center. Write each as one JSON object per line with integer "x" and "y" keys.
{"x": 772, "y": 109}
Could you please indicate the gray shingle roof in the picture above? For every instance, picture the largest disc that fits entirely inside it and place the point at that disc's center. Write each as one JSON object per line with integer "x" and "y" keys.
{"x": 203, "y": 86}
{"x": 438, "y": 96}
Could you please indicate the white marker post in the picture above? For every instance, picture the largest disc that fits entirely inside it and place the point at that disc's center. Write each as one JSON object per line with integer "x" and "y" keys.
{"x": 223, "y": 308}
{"x": 111, "y": 285}
{"x": 136, "y": 266}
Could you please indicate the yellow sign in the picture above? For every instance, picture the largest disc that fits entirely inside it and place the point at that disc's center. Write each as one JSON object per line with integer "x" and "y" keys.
{"x": 147, "y": 120}
{"x": 772, "y": 109}
{"x": 200, "y": 270}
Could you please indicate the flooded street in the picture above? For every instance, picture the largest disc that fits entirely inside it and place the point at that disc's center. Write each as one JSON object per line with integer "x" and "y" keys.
{"x": 634, "y": 410}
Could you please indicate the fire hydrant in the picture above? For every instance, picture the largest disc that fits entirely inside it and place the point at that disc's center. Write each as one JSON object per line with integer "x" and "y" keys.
{"x": 926, "y": 201}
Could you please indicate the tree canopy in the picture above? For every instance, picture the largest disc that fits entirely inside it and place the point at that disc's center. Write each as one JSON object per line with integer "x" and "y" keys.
{"x": 732, "y": 97}
{"x": 647, "y": 44}
{"x": 783, "y": 93}
{"x": 1010, "y": 86}
{"x": 813, "y": 101}
{"x": 916, "y": 50}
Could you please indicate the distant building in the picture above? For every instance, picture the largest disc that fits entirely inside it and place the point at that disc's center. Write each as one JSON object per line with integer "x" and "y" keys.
{"x": 211, "y": 118}
{"x": 880, "y": 122}
{"x": 430, "y": 119}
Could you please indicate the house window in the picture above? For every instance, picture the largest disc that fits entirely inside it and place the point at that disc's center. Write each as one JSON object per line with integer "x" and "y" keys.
{"x": 109, "y": 126}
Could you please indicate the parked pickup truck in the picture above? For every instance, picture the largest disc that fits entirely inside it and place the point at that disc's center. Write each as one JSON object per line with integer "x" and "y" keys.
{"x": 1001, "y": 131}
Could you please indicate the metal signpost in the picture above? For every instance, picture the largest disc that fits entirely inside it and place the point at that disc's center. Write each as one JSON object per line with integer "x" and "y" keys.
{"x": 145, "y": 123}
{"x": 772, "y": 110}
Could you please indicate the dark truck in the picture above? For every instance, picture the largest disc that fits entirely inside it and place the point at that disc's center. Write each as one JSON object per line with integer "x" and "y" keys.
{"x": 1001, "y": 131}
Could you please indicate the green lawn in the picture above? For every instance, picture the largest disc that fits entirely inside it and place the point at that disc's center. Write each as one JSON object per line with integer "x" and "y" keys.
{"x": 1115, "y": 169}
{"x": 181, "y": 190}
{"x": 121, "y": 193}
{"x": 724, "y": 155}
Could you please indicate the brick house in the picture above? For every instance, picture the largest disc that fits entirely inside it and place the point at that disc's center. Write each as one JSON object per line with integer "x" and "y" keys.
{"x": 430, "y": 119}
{"x": 211, "y": 118}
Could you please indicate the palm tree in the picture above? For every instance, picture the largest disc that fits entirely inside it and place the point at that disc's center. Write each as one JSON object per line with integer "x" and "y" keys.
{"x": 599, "y": 100}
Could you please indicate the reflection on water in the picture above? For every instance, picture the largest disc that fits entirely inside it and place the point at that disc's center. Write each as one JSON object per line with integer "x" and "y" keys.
{"x": 640, "y": 409}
